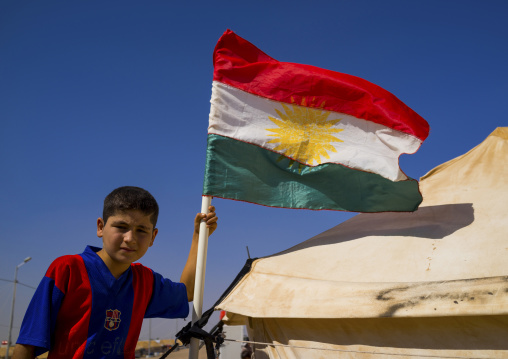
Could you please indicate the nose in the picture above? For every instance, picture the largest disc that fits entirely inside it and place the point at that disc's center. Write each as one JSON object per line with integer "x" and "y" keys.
{"x": 129, "y": 236}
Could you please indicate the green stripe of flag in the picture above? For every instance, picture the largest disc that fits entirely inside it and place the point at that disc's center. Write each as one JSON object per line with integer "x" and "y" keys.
{"x": 245, "y": 172}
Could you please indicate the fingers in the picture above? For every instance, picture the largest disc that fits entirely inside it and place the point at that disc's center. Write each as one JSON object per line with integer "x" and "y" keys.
{"x": 210, "y": 218}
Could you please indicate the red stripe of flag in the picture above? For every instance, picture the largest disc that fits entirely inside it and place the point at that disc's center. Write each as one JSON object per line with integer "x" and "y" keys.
{"x": 239, "y": 63}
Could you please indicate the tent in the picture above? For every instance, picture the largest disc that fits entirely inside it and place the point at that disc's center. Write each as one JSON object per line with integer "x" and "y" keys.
{"x": 432, "y": 283}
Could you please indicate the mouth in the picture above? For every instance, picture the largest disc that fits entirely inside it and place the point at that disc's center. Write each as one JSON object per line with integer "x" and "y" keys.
{"x": 127, "y": 249}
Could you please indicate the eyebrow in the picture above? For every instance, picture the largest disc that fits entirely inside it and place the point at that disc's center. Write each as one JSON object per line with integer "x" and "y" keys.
{"x": 117, "y": 222}
{"x": 145, "y": 227}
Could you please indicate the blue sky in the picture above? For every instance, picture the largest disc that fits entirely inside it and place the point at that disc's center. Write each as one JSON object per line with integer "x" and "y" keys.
{"x": 100, "y": 94}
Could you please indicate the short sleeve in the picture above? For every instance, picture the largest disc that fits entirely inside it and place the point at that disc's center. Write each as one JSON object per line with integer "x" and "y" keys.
{"x": 169, "y": 299}
{"x": 40, "y": 318}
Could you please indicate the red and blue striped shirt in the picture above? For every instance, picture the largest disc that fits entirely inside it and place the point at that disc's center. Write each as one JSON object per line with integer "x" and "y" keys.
{"x": 80, "y": 310}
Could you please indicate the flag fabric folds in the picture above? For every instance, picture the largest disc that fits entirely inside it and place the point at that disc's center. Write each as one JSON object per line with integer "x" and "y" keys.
{"x": 297, "y": 136}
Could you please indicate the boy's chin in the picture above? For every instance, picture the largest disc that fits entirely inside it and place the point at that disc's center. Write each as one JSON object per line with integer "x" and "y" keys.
{"x": 122, "y": 258}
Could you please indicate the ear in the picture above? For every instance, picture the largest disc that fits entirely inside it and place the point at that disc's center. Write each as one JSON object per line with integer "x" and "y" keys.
{"x": 100, "y": 227}
{"x": 154, "y": 234}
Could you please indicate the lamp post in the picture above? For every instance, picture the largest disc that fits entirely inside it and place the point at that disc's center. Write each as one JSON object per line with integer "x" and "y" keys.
{"x": 12, "y": 308}
{"x": 149, "y": 338}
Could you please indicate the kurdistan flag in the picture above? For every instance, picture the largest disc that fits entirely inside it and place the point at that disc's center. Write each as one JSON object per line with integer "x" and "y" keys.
{"x": 297, "y": 136}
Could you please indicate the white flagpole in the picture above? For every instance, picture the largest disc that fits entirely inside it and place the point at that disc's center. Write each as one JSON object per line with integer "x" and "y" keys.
{"x": 199, "y": 283}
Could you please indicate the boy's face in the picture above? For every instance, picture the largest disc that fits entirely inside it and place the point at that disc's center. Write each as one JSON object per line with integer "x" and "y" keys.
{"x": 126, "y": 237}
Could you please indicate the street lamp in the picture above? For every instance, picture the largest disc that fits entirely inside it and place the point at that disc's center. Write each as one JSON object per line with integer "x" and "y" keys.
{"x": 149, "y": 338}
{"x": 13, "y": 301}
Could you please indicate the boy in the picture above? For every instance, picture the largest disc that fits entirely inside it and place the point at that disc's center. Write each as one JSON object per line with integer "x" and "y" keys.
{"x": 92, "y": 305}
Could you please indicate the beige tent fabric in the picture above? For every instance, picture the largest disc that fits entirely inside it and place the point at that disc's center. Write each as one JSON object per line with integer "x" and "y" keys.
{"x": 446, "y": 260}
{"x": 431, "y": 337}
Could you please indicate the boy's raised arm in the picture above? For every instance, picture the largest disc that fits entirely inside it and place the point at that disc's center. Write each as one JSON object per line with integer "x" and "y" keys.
{"x": 189, "y": 271}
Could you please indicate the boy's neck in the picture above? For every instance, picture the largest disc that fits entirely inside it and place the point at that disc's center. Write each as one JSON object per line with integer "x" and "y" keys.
{"x": 116, "y": 269}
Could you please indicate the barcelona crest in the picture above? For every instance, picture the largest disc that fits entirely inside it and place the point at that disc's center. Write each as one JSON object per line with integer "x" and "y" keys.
{"x": 112, "y": 319}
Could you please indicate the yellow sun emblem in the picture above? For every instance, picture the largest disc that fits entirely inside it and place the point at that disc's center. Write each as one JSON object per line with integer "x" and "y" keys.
{"x": 304, "y": 134}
